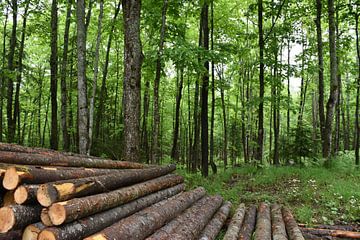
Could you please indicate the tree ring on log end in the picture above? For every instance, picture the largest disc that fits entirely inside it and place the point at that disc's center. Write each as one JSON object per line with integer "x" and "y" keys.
{"x": 31, "y": 232}
{"x": 21, "y": 195}
{"x": 47, "y": 235}
{"x": 11, "y": 179}
{"x": 45, "y": 195}
{"x": 7, "y": 219}
{"x": 57, "y": 214}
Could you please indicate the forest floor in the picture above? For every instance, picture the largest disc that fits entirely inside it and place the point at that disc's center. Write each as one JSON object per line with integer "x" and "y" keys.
{"x": 316, "y": 195}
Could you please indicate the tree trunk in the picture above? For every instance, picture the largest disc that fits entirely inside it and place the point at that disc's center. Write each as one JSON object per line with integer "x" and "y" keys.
{"x": 68, "y": 211}
{"x": 74, "y": 188}
{"x": 263, "y": 223}
{"x": 278, "y": 225}
{"x": 16, "y": 217}
{"x": 175, "y": 150}
{"x": 204, "y": 95}
{"x": 288, "y": 87}
{"x": 11, "y": 68}
{"x": 86, "y": 226}
{"x": 224, "y": 124}
{"x": 248, "y": 226}
{"x": 132, "y": 79}
{"x": 291, "y": 225}
{"x": 357, "y": 125}
{"x": 189, "y": 224}
{"x": 53, "y": 75}
{"x": 260, "y": 139}
{"x": 321, "y": 70}
{"x": 143, "y": 223}
{"x": 63, "y": 74}
{"x": 214, "y": 226}
{"x": 330, "y": 106}
{"x": 234, "y": 227}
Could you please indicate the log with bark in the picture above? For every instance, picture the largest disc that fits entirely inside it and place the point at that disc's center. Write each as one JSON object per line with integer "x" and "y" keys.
{"x": 145, "y": 222}
{"x": 64, "y": 160}
{"x": 68, "y": 211}
{"x": 189, "y": 224}
{"x": 15, "y": 175}
{"x": 15, "y": 217}
{"x": 213, "y": 228}
{"x": 12, "y": 235}
{"x": 248, "y": 226}
{"x": 64, "y": 190}
{"x": 45, "y": 218}
{"x": 263, "y": 223}
{"x": 292, "y": 228}
{"x": 32, "y": 231}
{"x": 95, "y": 223}
{"x": 234, "y": 227}
{"x": 277, "y": 223}
{"x": 352, "y": 228}
{"x": 332, "y": 233}
{"x": 26, "y": 194}
{"x": 8, "y": 199}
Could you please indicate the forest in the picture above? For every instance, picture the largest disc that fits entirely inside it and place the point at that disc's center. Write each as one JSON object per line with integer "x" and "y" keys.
{"x": 205, "y": 84}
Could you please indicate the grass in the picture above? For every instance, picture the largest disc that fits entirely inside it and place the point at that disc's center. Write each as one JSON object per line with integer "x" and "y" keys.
{"x": 316, "y": 195}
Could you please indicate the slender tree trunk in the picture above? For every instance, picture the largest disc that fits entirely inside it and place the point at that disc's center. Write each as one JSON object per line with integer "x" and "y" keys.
{"x": 339, "y": 96}
{"x": 190, "y": 166}
{"x": 288, "y": 87}
{"x": 330, "y": 106}
{"x": 11, "y": 68}
{"x": 83, "y": 113}
{"x": 222, "y": 94}
{"x": 320, "y": 71}
{"x": 96, "y": 68}
{"x": 347, "y": 136}
{"x": 144, "y": 129}
{"x": 357, "y": 126}
{"x": 260, "y": 139}
{"x": 2, "y": 77}
{"x": 132, "y": 79}
{"x": 53, "y": 76}
{"x": 64, "y": 126}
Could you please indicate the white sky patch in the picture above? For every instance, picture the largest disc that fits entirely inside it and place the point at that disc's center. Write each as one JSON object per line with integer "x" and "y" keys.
{"x": 295, "y": 50}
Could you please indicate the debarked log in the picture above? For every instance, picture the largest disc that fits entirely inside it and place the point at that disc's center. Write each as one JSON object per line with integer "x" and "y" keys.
{"x": 145, "y": 222}
{"x": 68, "y": 211}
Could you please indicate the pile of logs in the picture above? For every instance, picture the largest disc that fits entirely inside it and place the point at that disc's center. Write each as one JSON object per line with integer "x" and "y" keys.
{"x": 48, "y": 195}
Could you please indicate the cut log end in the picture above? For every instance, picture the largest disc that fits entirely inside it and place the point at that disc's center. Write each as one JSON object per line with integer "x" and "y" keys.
{"x": 7, "y": 219}
{"x": 94, "y": 237}
{"x": 11, "y": 179}
{"x": 21, "y": 195}
{"x": 45, "y": 219}
{"x": 57, "y": 214}
{"x": 31, "y": 232}
{"x": 45, "y": 196}
{"x": 47, "y": 235}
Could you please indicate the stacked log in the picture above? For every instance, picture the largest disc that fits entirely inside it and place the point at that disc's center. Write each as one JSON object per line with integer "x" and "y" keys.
{"x": 50, "y": 195}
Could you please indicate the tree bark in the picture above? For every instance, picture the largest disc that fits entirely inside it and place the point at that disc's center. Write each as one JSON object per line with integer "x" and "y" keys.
{"x": 189, "y": 224}
{"x": 277, "y": 223}
{"x": 68, "y": 211}
{"x": 15, "y": 217}
{"x": 357, "y": 125}
{"x": 330, "y": 106}
{"x": 83, "y": 113}
{"x": 96, "y": 68}
{"x": 13, "y": 235}
{"x": 63, "y": 74}
{"x": 63, "y": 160}
{"x": 26, "y": 194}
{"x": 90, "y": 225}
{"x": 214, "y": 226}
{"x": 132, "y": 79}
{"x": 32, "y": 231}
{"x": 234, "y": 227}
{"x": 248, "y": 226}
{"x": 143, "y": 223}
{"x": 291, "y": 225}
{"x": 156, "y": 120}
{"x": 74, "y": 188}
{"x": 332, "y": 233}
{"x": 263, "y": 223}
{"x": 53, "y": 75}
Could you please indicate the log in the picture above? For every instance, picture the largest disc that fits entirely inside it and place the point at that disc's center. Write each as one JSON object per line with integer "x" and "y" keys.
{"x": 213, "y": 228}
{"x": 263, "y": 223}
{"x": 334, "y": 227}
{"x": 15, "y": 175}
{"x": 32, "y": 231}
{"x": 292, "y": 228}
{"x": 64, "y": 160}
{"x": 15, "y": 217}
{"x": 189, "y": 224}
{"x": 8, "y": 199}
{"x": 145, "y": 222}
{"x": 248, "y": 226}
{"x": 233, "y": 230}
{"x": 26, "y": 194}
{"x": 64, "y": 212}
{"x": 45, "y": 218}
{"x": 333, "y": 233}
{"x": 12, "y": 235}
{"x": 277, "y": 223}
{"x": 90, "y": 225}
{"x": 64, "y": 190}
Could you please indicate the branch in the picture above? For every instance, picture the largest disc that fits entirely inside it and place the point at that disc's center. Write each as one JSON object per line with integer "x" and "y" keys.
{"x": 273, "y": 25}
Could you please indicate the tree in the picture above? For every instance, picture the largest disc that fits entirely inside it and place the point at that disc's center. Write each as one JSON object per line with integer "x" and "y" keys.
{"x": 132, "y": 79}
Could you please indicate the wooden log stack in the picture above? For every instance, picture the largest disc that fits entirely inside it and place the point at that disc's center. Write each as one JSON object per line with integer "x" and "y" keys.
{"x": 50, "y": 195}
